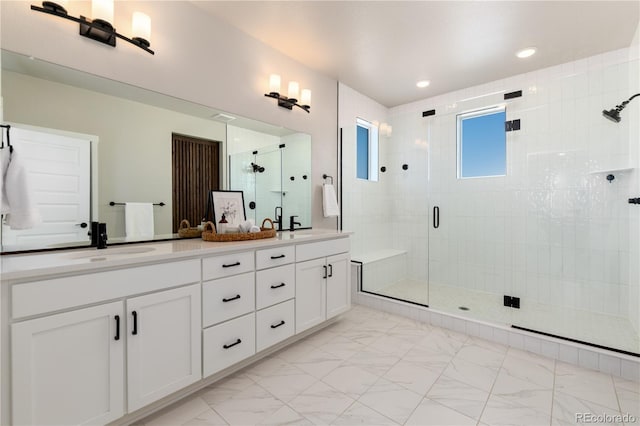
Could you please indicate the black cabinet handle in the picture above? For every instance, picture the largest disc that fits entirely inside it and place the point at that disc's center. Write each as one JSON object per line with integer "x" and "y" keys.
{"x": 236, "y": 297}
{"x": 330, "y": 270}
{"x": 282, "y": 256}
{"x": 117, "y": 337}
{"x": 436, "y": 216}
{"x": 231, "y": 264}
{"x": 134, "y": 314}
{"x": 278, "y": 286}
{"x": 634, "y": 200}
{"x": 325, "y": 271}
{"x": 237, "y": 342}
{"x": 280, "y": 324}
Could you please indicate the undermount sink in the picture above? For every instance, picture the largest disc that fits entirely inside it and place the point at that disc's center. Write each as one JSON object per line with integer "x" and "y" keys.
{"x": 103, "y": 254}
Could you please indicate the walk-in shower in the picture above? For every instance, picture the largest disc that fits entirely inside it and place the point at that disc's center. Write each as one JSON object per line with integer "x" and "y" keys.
{"x": 550, "y": 244}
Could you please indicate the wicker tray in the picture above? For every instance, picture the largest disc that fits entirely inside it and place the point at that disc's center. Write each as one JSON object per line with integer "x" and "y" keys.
{"x": 186, "y": 231}
{"x": 209, "y": 233}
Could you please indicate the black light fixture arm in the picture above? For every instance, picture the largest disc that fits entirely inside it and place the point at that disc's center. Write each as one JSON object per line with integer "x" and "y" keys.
{"x": 287, "y": 103}
{"x": 97, "y": 29}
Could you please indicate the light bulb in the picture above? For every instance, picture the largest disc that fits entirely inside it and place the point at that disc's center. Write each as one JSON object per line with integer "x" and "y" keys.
{"x": 102, "y": 9}
{"x": 294, "y": 89}
{"x": 305, "y": 97}
{"x": 274, "y": 83}
{"x": 141, "y": 26}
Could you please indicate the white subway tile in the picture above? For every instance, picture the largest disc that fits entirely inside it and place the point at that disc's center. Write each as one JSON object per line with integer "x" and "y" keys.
{"x": 610, "y": 364}
{"x": 568, "y": 354}
{"x": 588, "y": 359}
{"x": 630, "y": 370}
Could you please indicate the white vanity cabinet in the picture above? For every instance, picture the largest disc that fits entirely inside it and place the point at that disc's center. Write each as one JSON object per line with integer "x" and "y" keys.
{"x": 229, "y": 302}
{"x": 114, "y": 341}
{"x": 92, "y": 365}
{"x": 69, "y": 368}
{"x": 163, "y": 344}
{"x": 322, "y": 283}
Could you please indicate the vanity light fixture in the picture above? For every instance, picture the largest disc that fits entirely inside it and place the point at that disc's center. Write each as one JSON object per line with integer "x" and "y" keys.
{"x": 100, "y": 28}
{"x": 293, "y": 92}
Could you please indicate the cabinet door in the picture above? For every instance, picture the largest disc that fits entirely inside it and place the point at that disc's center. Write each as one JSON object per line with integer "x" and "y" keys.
{"x": 69, "y": 368}
{"x": 310, "y": 293}
{"x": 338, "y": 285}
{"x": 163, "y": 344}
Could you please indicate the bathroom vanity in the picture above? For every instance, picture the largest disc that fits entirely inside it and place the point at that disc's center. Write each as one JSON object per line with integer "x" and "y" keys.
{"x": 108, "y": 336}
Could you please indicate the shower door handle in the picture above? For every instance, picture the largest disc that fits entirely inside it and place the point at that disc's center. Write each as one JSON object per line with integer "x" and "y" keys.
{"x": 436, "y": 216}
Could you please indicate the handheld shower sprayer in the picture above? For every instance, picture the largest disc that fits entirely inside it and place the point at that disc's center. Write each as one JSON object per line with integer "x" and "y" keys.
{"x": 614, "y": 114}
{"x": 256, "y": 168}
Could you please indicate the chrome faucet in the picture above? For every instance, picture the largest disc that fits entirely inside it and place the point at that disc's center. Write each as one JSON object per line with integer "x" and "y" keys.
{"x": 293, "y": 223}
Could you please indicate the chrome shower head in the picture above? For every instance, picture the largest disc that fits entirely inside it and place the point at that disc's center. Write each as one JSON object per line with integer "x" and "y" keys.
{"x": 614, "y": 114}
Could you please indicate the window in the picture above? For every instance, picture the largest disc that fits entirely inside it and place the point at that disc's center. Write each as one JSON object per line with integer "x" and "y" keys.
{"x": 366, "y": 150}
{"x": 482, "y": 146}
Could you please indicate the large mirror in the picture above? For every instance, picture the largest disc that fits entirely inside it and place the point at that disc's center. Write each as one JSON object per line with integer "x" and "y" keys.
{"x": 95, "y": 147}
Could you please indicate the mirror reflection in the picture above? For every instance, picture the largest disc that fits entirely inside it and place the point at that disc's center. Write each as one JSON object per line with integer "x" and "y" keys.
{"x": 96, "y": 148}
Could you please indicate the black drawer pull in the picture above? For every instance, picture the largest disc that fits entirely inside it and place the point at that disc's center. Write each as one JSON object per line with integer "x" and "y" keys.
{"x": 325, "y": 271}
{"x": 330, "y": 271}
{"x": 134, "y": 314}
{"x": 282, "y": 256}
{"x": 236, "y": 297}
{"x": 281, "y": 323}
{"x": 278, "y": 286}
{"x": 231, "y": 264}
{"x": 237, "y": 342}
{"x": 436, "y": 216}
{"x": 117, "y": 337}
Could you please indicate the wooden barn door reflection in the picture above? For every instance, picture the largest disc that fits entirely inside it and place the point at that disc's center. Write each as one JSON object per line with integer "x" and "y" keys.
{"x": 196, "y": 171}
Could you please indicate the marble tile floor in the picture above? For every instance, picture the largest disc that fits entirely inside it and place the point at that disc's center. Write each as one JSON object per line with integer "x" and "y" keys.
{"x": 607, "y": 330}
{"x": 374, "y": 368}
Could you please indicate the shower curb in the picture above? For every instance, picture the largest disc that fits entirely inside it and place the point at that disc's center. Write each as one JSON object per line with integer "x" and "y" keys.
{"x": 602, "y": 360}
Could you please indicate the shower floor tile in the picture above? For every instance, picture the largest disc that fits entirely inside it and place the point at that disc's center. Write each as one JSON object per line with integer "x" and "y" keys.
{"x": 606, "y": 330}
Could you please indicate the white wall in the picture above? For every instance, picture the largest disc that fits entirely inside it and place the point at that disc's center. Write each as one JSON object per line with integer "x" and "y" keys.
{"x": 134, "y": 153}
{"x": 217, "y": 66}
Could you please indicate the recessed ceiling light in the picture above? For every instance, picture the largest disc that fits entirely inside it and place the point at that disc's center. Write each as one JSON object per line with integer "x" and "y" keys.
{"x": 525, "y": 53}
{"x": 423, "y": 83}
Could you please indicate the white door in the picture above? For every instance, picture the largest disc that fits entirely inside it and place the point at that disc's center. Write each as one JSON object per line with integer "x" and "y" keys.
{"x": 59, "y": 168}
{"x": 311, "y": 293}
{"x": 338, "y": 285}
{"x": 164, "y": 344}
{"x": 69, "y": 368}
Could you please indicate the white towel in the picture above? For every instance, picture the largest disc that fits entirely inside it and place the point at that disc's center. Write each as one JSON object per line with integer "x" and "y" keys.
{"x": 17, "y": 196}
{"x": 138, "y": 218}
{"x": 329, "y": 201}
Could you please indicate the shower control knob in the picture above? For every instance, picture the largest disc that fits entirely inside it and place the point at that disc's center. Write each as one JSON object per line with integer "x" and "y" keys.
{"x": 634, "y": 200}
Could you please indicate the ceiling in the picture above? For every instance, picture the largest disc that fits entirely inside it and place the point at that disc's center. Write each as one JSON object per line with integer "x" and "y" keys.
{"x": 382, "y": 48}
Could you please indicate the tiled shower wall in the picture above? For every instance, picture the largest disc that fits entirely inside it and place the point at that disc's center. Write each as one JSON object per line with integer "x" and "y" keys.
{"x": 554, "y": 231}
{"x": 366, "y": 205}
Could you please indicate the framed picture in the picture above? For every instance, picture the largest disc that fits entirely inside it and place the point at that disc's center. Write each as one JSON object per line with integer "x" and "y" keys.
{"x": 229, "y": 203}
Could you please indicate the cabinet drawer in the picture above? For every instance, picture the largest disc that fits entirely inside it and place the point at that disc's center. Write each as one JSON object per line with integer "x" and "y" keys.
{"x": 321, "y": 249}
{"x": 275, "y": 285}
{"x": 39, "y": 297}
{"x": 230, "y": 264}
{"x": 274, "y": 324}
{"x": 275, "y": 257}
{"x": 227, "y": 298}
{"x": 228, "y": 343}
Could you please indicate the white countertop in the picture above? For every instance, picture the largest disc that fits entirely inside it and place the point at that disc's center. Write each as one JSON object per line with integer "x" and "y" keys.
{"x": 38, "y": 265}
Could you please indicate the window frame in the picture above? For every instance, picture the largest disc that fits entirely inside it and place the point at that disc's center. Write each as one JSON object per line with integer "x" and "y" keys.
{"x": 501, "y": 108}
{"x": 373, "y": 148}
